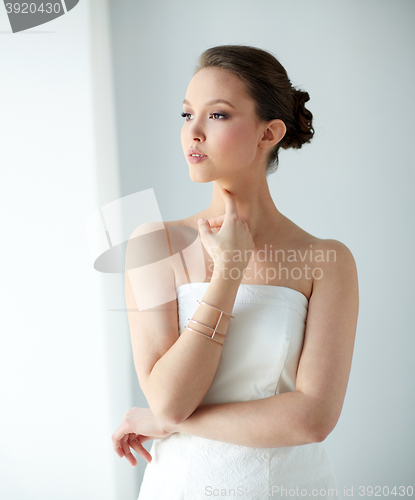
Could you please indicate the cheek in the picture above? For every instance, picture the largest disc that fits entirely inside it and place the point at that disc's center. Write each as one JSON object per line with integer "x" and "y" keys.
{"x": 238, "y": 141}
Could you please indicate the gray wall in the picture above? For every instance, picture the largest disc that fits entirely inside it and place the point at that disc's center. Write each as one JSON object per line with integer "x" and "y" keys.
{"x": 354, "y": 182}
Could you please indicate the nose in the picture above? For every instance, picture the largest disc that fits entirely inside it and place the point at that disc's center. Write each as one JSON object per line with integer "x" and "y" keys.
{"x": 196, "y": 132}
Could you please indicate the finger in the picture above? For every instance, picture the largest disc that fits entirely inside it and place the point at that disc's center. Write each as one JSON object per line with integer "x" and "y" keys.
{"x": 131, "y": 459}
{"x": 230, "y": 205}
{"x": 204, "y": 227}
{"x": 134, "y": 443}
{"x": 139, "y": 448}
{"x": 119, "y": 452}
{"x": 116, "y": 441}
{"x": 216, "y": 221}
{"x": 143, "y": 439}
{"x": 125, "y": 446}
{"x": 119, "y": 435}
{"x": 130, "y": 444}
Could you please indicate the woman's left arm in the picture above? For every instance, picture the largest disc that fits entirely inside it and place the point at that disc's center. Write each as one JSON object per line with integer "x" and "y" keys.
{"x": 311, "y": 412}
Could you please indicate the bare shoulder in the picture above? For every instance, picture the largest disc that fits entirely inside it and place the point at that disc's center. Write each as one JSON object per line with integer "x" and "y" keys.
{"x": 158, "y": 234}
{"x": 335, "y": 277}
{"x": 314, "y": 263}
{"x": 334, "y": 257}
{"x": 335, "y": 246}
{"x": 147, "y": 244}
{"x": 157, "y": 240}
{"x": 152, "y": 226}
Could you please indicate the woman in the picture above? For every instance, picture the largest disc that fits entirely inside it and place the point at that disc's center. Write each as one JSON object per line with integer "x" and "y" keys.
{"x": 242, "y": 398}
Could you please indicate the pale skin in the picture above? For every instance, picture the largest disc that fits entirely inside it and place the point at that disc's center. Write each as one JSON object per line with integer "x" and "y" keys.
{"x": 242, "y": 215}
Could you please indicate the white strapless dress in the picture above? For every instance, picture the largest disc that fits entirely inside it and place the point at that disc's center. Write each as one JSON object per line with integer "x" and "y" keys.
{"x": 259, "y": 359}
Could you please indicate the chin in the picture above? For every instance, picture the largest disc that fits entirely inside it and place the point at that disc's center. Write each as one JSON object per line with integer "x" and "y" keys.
{"x": 200, "y": 179}
{"x": 199, "y": 175}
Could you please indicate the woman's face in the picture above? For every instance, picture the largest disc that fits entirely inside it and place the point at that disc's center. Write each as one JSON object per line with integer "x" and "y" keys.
{"x": 227, "y": 134}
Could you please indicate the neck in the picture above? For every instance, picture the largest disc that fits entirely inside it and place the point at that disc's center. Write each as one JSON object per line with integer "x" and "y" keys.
{"x": 254, "y": 202}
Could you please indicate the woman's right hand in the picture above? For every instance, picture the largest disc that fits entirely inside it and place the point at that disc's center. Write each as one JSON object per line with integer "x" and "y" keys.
{"x": 231, "y": 247}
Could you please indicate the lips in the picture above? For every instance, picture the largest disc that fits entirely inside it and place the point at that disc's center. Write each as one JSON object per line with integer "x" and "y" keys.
{"x": 193, "y": 151}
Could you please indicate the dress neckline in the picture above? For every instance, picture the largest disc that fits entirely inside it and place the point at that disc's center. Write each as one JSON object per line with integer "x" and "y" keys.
{"x": 250, "y": 284}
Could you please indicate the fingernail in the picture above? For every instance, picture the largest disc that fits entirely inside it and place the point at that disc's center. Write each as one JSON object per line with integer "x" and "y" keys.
{"x": 201, "y": 220}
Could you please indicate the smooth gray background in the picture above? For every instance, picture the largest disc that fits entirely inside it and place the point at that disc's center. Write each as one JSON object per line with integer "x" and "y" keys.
{"x": 354, "y": 182}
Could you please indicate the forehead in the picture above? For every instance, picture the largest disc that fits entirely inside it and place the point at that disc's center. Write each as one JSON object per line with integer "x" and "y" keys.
{"x": 216, "y": 83}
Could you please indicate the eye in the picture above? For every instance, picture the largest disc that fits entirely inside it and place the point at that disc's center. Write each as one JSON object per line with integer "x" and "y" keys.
{"x": 218, "y": 114}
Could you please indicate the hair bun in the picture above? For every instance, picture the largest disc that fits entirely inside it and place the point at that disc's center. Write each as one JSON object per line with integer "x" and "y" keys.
{"x": 303, "y": 130}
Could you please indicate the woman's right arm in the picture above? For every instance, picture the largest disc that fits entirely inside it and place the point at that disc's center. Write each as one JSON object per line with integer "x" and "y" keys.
{"x": 175, "y": 372}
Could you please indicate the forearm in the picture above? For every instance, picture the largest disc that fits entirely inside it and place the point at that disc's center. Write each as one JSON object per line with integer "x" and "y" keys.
{"x": 278, "y": 421}
{"x": 182, "y": 376}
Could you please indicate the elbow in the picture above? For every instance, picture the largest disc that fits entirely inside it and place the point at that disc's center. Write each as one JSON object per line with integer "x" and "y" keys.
{"x": 168, "y": 415}
{"x": 318, "y": 434}
{"x": 163, "y": 408}
{"x": 168, "y": 409}
{"x": 319, "y": 428}
{"x": 169, "y": 418}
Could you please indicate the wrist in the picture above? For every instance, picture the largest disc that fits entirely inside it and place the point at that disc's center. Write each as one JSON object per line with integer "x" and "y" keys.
{"x": 227, "y": 275}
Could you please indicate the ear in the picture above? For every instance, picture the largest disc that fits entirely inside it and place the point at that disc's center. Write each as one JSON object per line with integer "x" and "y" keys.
{"x": 273, "y": 133}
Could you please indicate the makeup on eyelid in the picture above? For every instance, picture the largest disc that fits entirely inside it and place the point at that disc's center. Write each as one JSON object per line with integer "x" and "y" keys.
{"x": 185, "y": 115}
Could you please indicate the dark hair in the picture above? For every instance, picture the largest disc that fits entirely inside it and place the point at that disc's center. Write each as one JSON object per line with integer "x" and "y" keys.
{"x": 268, "y": 84}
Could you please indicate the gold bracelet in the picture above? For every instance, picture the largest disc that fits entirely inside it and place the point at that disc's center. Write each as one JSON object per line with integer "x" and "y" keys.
{"x": 207, "y": 336}
{"x": 211, "y": 337}
{"x": 229, "y": 314}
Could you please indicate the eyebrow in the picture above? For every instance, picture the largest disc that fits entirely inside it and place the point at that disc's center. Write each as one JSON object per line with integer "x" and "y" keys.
{"x": 213, "y": 102}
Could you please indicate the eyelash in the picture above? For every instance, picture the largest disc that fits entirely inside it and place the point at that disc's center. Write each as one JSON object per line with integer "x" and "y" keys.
{"x": 185, "y": 115}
